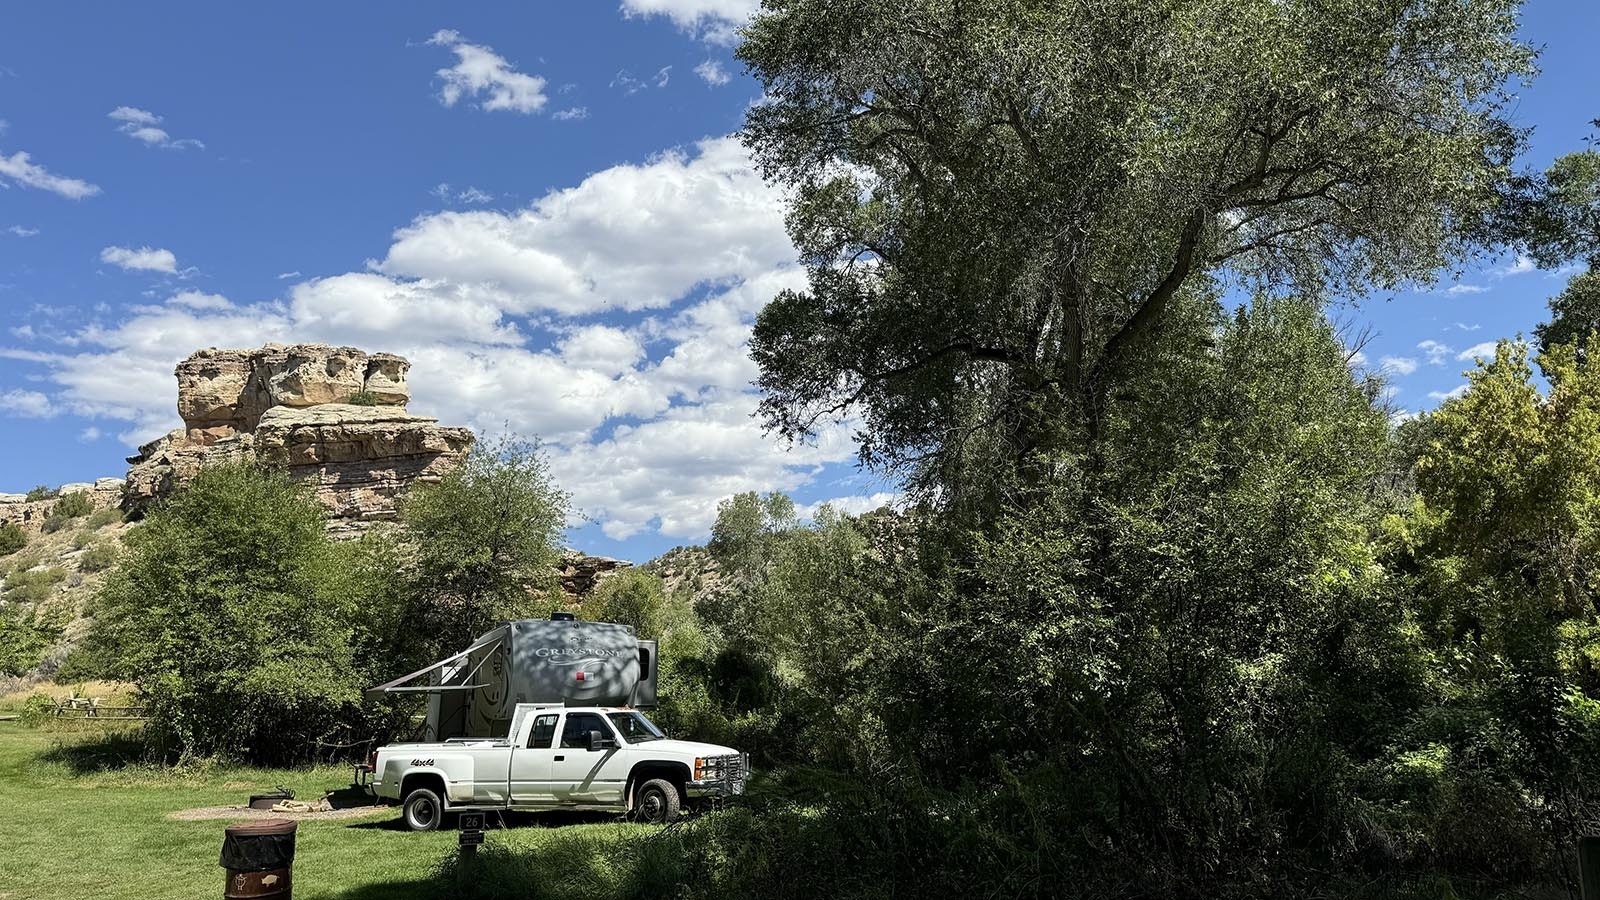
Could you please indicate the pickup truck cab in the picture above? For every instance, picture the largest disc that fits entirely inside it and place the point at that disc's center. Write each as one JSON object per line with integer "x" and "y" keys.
{"x": 558, "y": 757}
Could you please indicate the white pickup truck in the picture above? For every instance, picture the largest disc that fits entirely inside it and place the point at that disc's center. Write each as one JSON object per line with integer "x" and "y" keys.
{"x": 558, "y": 757}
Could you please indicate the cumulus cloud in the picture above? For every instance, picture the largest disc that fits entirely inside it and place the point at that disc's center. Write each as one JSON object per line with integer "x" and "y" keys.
{"x": 571, "y": 113}
{"x": 630, "y": 237}
{"x": 22, "y": 231}
{"x": 1435, "y": 352}
{"x": 1403, "y": 365}
{"x": 712, "y": 73}
{"x": 1465, "y": 289}
{"x": 1522, "y": 265}
{"x": 480, "y": 72}
{"x": 855, "y": 504}
{"x": 147, "y": 259}
{"x": 1484, "y": 350}
{"x": 28, "y": 404}
{"x": 20, "y": 169}
{"x": 713, "y": 20}
{"x": 144, "y": 126}
{"x": 609, "y": 318}
{"x": 1451, "y": 394}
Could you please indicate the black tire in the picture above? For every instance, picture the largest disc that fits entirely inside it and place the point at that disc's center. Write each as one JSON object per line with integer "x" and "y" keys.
{"x": 423, "y": 810}
{"x": 657, "y": 802}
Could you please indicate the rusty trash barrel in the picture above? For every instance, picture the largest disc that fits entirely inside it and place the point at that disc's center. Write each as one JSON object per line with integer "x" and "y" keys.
{"x": 259, "y": 857}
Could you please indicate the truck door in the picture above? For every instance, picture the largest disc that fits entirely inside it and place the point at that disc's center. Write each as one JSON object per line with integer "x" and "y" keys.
{"x": 581, "y": 775}
{"x": 530, "y": 764}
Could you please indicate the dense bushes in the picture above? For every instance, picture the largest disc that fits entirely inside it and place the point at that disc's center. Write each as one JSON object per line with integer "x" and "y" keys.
{"x": 251, "y": 633}
{"x": 12, "y": 538}
{"x": 238, "y": 618}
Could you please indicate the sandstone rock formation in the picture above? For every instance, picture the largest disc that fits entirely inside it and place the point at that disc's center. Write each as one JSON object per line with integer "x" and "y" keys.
{"x": 581, "y": 574}
{"x": 30, "y": 514}
{"x": 289, "y": 406}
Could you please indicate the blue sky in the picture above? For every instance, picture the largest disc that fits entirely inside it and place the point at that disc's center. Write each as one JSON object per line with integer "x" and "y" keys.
{"x": 537, "y": 203}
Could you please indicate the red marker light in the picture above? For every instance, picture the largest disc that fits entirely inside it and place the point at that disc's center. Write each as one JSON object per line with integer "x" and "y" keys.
{"x": 582, "y": 676}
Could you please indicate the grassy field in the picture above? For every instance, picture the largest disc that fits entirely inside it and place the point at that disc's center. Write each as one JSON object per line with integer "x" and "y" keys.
{"x": 78, "y": 819}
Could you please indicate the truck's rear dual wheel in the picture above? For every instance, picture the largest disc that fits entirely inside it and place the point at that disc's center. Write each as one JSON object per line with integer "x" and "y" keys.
{"x": 657, "y": 802}
{"x": 423, "y": 810}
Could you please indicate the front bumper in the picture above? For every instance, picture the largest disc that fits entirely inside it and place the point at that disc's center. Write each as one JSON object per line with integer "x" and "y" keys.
{"x": 721, "y": 776}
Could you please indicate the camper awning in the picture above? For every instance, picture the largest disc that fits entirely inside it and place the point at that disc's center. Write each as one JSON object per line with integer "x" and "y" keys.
{"x": 402, "y": 684}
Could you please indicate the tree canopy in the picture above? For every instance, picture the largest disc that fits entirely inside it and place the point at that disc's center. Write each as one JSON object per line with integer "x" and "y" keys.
{"x": 996, "y": 202}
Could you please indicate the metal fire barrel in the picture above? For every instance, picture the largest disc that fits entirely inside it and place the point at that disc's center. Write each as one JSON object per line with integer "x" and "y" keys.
{"x": 259, "y": 857}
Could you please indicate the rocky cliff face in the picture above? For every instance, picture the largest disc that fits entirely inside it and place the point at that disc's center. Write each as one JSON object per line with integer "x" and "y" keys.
{"x": 30, "y": 515}
{"x": 290, "y": 406}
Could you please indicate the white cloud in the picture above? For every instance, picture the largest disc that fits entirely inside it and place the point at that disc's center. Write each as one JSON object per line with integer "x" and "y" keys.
{"x": 143, "y": 125}
{"x": 713, "y": 20}
{"x": 1466, "y": 289}
{"x": 609, "y": 318}
{"x": 712, "y": 73}
{"x": 630, "y": 237}
{"x": 1403, "y": 365}
{"x": 1484, "y": 350}
{"x": 1451, "y": 394}
{"x": 1519, "y": 266}
{"x": 480, "y": 72}
{"x": 283, "y": 276}
{"x": 1435, "y": 351}
{"x": 23, "y": 232}
{"x": 1356, "y": 360}
{"x": 148, "y": 259}
{"x": 18, "y": 168}
{"x": 854, "y": 505}
{"x": 28, "y": 404}
{"x": 198, "y": 300}
{"x": 470, "y": 194}
{"x": 1465, "y": 327}
{"x": 571, "y": 113}
{"x": 89, "y": 435}
{"x": 602, "y": 348}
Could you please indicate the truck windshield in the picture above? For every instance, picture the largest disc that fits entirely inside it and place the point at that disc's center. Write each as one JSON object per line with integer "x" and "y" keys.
{"x": 634, "y": 727}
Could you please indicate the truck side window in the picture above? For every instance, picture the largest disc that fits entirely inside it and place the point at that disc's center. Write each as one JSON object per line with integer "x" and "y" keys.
{"x": 544, "y": 730}
{"x": 576, "y": 732}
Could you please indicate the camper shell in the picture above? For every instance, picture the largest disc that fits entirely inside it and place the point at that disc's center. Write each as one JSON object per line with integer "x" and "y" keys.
{"x": 475, "y": 693}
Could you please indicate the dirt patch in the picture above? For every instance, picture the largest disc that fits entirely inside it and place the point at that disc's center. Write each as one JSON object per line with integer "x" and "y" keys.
{"x": 245, "y": 813}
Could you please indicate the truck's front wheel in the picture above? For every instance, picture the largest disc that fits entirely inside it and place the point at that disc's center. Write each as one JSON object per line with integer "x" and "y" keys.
{"x": 657, "y": 802}
{"x": 422, "y": 810}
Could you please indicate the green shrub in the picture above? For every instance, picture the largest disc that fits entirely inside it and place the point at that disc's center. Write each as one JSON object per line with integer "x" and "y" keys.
{"x": 105, "y": 517}
{"x": 82, "y": 539}
{"x": 36, "y": 710}
{"x": 25, "y": 638}
{"x": 33, "y": 586}
{"x": 364, "y": 398}
{"x": 12, "y": 538}
{"x": 631, "y": 597}
{"x": 98, "y": 558}
{"x": 245, "y": 547}
{"x": 53, "y": 524}
{"x": 75, "y": 505}
{"x": 42, "y": 493}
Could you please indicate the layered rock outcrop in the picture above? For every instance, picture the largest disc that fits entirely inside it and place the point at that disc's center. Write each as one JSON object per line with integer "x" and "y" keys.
{"x": 30, "y": 515}
{"x": 290, "y": 405}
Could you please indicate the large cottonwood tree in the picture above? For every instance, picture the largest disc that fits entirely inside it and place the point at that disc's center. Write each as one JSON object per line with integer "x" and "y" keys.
{"x": 997, "y": 202}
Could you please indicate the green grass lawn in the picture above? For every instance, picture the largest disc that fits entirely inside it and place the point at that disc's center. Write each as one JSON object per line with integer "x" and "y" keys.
{"x": 76, "y": 821}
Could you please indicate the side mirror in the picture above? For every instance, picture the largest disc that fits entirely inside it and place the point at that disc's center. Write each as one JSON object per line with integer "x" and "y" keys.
{"x": 598, "y": 741}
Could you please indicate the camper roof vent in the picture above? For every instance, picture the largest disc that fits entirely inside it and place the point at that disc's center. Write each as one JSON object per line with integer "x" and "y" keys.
{"x": 563, "y": 617}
